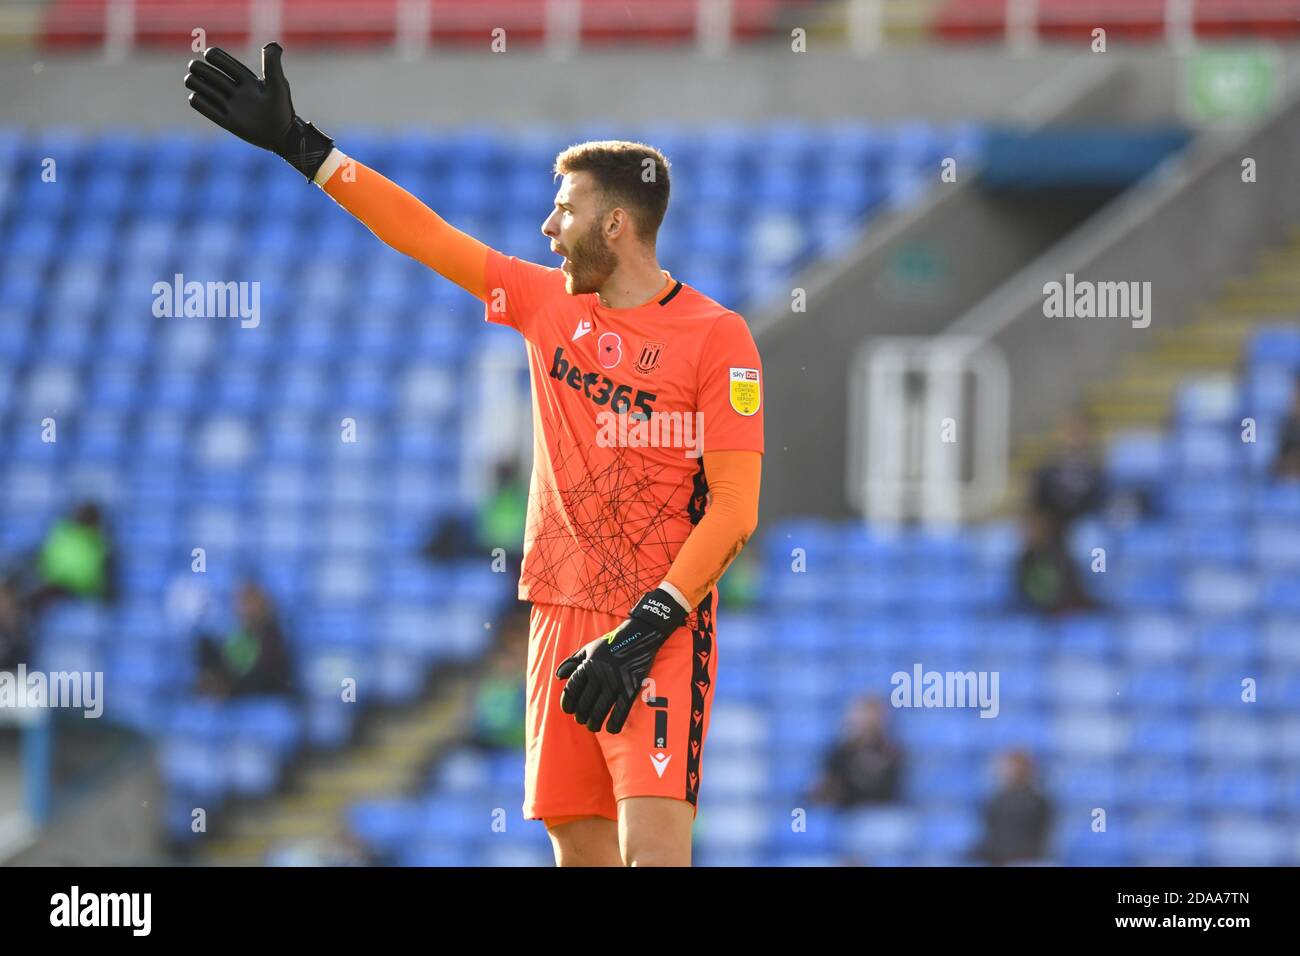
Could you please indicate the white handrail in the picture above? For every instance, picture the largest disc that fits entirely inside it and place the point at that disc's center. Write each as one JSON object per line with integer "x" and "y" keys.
{"x": 1180, "y": 25}
{"x": 119, "y": 30}
{"x": 414, "y": 22}
{"x": 1022, "y": 25}
{"x": 866, "y": 26}
{"x": 713, "y": 26}
{"x": 263, "y": 27}
{"x": 563, "y": 28}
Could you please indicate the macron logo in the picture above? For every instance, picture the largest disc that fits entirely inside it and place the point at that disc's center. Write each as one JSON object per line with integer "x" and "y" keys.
{"x": 584, "y": 326}
{"x": 660, "y": 760}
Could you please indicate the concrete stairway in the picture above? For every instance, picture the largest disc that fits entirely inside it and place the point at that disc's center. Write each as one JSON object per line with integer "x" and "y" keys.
{"x": 386, "y": 761}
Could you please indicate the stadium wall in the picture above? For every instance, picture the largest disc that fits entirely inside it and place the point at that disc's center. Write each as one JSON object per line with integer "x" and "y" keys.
{"x": 1157, "y": 232}
{"x": 1194, "y": 225}
{"x": 978, "y": 241}
{"x": 517, "y": 88}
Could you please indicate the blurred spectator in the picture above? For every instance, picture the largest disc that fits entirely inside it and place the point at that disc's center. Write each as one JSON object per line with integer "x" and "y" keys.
{"x": 450, "y": 538}
{"x": 13, "y": 626}
{"x": 76, "y": 560}
{"x": 738, "y": 588}
{"x": 865, "y": 766}
{"x": 1287, "y": 463}
{"x": 251, "y": 659}
{"x": 1071, "y": 484}
{"x": 502, "y": 516}
{"x": 1047, "y": 578}
{"x": 498, "y": 522}
{"x": 499, "y": 701}
{"x": 1018, "y": 818}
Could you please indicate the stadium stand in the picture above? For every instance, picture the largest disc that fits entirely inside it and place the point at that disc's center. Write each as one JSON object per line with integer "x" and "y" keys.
{"x": 1130, "y": 20}
{"x": 346, "y": 24}
{"x": 1138, "y": 708}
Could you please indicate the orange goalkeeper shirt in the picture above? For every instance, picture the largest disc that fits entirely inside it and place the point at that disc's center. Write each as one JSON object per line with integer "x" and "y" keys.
{"x": 625, "y": 403}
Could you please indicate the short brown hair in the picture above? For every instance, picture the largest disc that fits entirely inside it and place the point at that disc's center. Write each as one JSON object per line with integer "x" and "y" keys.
{"x": 631, "y": 175}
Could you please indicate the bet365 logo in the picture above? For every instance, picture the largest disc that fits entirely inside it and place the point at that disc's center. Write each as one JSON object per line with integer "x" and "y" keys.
{"x": 601, "y": 389}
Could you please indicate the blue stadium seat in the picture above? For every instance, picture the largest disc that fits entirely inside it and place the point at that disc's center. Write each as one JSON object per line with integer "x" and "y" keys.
{"x": 1277, "y": 640}
{"x": 1162, "y": 839}
{"x": 1205, "y": 498}
{"x": 1078, "y": 844}
{"x": 1244, "y": 840}
{"x": 949, "y": 836}
{"x": 1214, "y": 590}
{"x": 1280, "y": 591}
{"x": 817, "y": 831}
{"x": 1139, "y": 458}
{"x": 1275, "y": 346}
{"x": 945, "y": 781}
{"x": 384, "y": 826}
{"x": 1276, "y": 502}
{"x": 198, "y": 429}
{"x": 1157, "y": 688}
{"x": 1213, "y": 401}
{"x": 1014, "y": 637}
{"x": 431, "y": 853}
{"x": 1087, "y": 636}
{"x": 1146, "y": 590}
{"x": 1160, "y": 784}
{"x": 1236, "y": 788}
{"x": 873, "y": 833}
{"x": 1268, "y": 390}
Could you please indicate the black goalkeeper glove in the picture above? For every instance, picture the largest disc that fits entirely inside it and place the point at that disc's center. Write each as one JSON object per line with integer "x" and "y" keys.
{"x": 258, "y": 111}
{"x": 604, "y": 678}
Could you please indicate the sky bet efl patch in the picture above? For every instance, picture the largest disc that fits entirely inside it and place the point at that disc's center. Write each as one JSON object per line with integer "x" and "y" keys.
{"x": 746, "y": 396}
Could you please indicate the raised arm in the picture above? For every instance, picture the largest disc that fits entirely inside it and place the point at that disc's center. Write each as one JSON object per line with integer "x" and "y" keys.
{"x": 405, "y": 223}
{"x": 260, "y": 111}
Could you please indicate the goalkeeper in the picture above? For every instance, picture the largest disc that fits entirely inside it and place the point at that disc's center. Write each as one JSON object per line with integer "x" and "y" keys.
{"x": 648, "y": 442}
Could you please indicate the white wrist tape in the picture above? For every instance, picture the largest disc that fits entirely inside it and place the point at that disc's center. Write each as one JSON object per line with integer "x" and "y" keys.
{"x": 677, "y": 596}
{"x": 332, "y": 162}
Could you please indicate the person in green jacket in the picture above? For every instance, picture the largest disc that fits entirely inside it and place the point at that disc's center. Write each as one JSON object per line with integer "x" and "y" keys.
{"x": 252, "y": 658}
{"x": 499, "y": 707}
{"x": 75, "y": 560}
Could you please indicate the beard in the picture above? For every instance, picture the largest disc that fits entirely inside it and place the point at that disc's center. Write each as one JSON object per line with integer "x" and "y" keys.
{"x": 591, "y": 263}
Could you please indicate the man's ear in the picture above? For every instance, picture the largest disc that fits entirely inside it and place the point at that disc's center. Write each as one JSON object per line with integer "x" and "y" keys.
{"x": 616, "y": 222}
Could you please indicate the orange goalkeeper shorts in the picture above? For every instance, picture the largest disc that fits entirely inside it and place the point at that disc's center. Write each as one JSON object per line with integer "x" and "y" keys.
{"x": 570, "y": 771}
